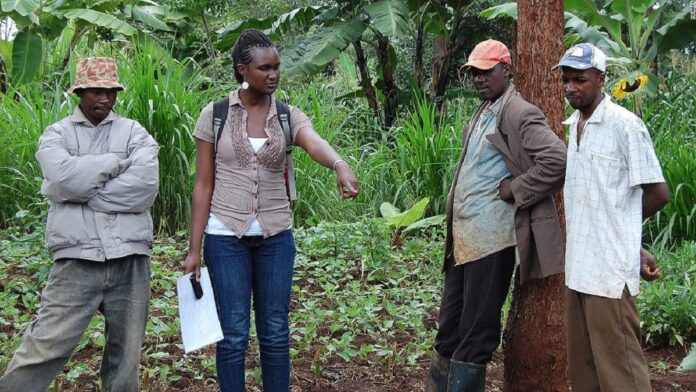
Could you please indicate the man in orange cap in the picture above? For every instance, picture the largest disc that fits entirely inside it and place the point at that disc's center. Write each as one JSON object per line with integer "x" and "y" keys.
{"x": 500, "y": 204}
{"x": 101, "y": 176}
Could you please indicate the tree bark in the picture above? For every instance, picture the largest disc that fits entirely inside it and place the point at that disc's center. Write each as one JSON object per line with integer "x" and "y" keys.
{"x": 444, "y": 50}
{"x": 418, "y": 58}
{"x": 365, "y": 81}
{"x": 389, "y": 90}
{"x": 439, "y": 59}
{"x": 534, "y": 339}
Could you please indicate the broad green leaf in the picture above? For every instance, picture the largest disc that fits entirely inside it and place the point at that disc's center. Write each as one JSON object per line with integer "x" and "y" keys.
{"x": 61, "y": 46}
{"x": 648, "y": 31}
{"x": 389, "y": 17}
{"x": 311, "y": 55}
{"x": 297, "y": 18}
{"x": 22, "y": 7}
{"x": 23, "y": 21}
{"x": 26, "y": 52}
{"x": 689, "y": 363}
{"x": 684, "y": 13}
{"x": 388, "y": 210}
{"x": 409, "y": 216}
{"x": 427, "y": 222}
{"x": 6, "y": 54}
{"x": 594, "y": 36}
{"x": 165, "y": 13}
{"x": 508, "y": 10}
{"x": 149, "y": 19}
{"x": 274, "y": 25}
{"x": 100, "y": 19}
{"x": 680, "y": 36}
{"x": 589, "y": 12}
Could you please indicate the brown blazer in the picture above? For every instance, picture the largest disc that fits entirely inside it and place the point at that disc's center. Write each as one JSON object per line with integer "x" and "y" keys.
{"x": 536, "y": 157}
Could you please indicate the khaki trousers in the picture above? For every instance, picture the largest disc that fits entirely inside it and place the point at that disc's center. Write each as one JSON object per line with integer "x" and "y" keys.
{"x": 604, "y": 350}
{"x": 75, "y": 292}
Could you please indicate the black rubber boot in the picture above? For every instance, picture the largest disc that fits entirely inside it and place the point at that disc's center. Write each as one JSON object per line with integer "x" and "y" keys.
{"x": 438, "y": 373}
{"x": 466, "y": 377}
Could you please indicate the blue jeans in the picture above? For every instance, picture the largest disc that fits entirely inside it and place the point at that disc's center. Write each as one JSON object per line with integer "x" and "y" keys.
{"x": 237, "y": 268}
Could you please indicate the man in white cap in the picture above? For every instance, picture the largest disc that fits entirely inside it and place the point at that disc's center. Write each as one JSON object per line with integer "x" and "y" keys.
{"x": 500, "y": 204}
{"x": 613, "y": 182}
{"x": 101, "y": 177}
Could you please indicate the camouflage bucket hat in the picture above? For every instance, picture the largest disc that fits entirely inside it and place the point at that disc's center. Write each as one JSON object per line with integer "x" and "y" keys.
{"x": 96, "y": 72}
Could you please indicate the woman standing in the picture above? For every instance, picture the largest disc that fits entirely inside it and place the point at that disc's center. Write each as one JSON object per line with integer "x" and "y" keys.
{"x": 240, "y": 203}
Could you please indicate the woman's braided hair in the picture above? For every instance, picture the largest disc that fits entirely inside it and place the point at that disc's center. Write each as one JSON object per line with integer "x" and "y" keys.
{"x": 242, "y": 52}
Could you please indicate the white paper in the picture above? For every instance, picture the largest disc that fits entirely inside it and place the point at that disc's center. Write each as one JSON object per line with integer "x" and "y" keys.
{"x": 200, "y": 325}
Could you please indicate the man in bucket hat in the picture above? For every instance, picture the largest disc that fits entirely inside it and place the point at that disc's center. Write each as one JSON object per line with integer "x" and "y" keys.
{"x": 101, "y": 176}
{"x": 500, "y": 204}
{"x": 613, "y": 183}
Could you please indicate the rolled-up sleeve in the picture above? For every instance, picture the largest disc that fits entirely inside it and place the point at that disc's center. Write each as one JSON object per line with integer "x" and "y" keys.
{"x": 643, "y": 165}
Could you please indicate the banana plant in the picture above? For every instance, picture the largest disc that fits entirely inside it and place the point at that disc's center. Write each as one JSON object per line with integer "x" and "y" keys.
{"x": 329, "y": 31}
{"x": 408, "y": 220}
{"x": 45, "y": 26}
{"x": 631, "y": 32}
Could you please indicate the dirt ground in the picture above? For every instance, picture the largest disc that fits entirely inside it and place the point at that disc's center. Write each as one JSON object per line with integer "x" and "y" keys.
{"x": 349, "y": 377}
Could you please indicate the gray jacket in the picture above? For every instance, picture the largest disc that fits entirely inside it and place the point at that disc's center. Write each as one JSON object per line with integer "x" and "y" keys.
{"x": 101, "y": 182}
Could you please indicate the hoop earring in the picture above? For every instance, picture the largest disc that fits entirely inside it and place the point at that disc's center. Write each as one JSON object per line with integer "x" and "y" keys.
{"x": 245, "y": 85}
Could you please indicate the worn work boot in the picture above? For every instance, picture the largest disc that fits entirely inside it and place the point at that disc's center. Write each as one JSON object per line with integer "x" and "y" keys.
{"x": 466, "y": 377}
{"x": 437, "y": 375}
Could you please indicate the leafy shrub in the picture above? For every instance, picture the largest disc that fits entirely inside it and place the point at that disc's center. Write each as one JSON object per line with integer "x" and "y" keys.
{"x": 667, "y": 306}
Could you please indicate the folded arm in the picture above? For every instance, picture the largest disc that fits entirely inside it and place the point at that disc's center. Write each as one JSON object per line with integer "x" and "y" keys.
{"x": 135, "y": 189}
{"x": 71, "y": 178}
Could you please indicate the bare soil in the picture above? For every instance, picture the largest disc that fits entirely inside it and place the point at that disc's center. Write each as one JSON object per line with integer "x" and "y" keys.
{"x": 339, "y": 376}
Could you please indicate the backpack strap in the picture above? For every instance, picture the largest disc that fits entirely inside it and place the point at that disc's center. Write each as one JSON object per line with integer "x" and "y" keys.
{"x": 220, "y": 109}
{"x": 283, "y": 111}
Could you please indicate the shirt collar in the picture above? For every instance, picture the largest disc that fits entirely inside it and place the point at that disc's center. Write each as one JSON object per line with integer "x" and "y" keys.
{"x": 596, "y": 116}
{"x": 495, "y": 106}
{"x": 235, "y": 100}
{"x": 79, "y": 117}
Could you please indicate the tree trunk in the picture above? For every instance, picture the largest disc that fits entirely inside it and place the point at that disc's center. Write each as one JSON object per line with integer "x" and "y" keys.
{"x": 418, "y": 60}
{"x": 389, "y": 90}
{"x": 534, "y": 340}
{"x": 444, "y": 50}
{"x": 439, "y": 59}
{"x": 365, "y": 81}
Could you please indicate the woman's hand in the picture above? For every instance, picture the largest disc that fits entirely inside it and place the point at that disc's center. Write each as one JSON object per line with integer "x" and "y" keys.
{"x": 347, "y": 183}
{"x": 192, "y": 263}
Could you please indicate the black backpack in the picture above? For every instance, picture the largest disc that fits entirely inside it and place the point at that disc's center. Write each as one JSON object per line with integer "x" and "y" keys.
{"x": 220, "y": 109}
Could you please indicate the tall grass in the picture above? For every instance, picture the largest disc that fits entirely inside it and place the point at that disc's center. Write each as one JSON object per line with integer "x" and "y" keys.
{"x": 401, "y": 165}
{"x": 166, "y": 97}
{"x": 24, "y": 113}
{"x": 673, "y": 126}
